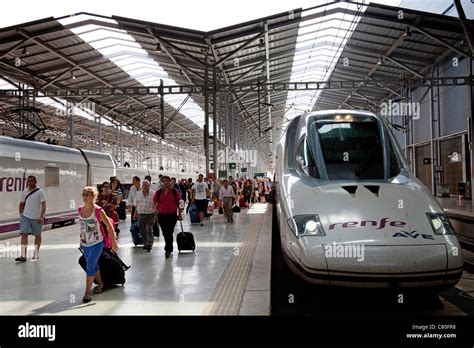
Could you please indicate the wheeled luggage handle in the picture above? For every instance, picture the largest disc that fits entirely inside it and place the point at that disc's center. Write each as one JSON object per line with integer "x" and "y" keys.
{"x": 181, "y": 224}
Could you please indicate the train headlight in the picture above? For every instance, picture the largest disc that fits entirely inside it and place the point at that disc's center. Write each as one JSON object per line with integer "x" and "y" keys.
{"x": 440, "y": 223}
{"x": 306, "y": 225}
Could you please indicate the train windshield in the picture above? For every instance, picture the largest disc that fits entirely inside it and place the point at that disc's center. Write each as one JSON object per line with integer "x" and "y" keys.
{"x": 354, "y": 150}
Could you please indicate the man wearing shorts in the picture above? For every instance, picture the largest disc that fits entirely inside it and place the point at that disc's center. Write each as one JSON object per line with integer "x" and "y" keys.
{"x": 32, "y": 209}
{"x": 200, "y": 192}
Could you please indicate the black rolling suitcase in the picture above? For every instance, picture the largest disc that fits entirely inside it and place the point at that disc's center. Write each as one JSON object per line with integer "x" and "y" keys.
{"x": 122, "y": 211}
{"x": 112, "y": 268}
{"x": 135, "y": 232}
{"x": 185, "y": 240}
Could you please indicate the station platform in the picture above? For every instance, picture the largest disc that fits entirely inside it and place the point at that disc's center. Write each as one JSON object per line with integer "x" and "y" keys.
{"x": 461, "y": 214}
{"x": 228, "y": 274}
{"x": 458, "y": 206}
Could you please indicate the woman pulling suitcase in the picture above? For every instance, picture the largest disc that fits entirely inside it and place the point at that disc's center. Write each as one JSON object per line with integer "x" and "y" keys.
{"x": 94, "y": 238}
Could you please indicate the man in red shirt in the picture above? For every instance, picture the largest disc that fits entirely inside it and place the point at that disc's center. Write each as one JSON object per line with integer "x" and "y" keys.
{"x": 166, "y": 201}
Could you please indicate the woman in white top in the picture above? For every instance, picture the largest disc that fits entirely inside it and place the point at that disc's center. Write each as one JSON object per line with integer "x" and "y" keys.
{"x": 92, "y": 240}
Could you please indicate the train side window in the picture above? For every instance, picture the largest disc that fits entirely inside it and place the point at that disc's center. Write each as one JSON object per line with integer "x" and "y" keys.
{"x": 305, "y": 160}
{"x": 51, "y": 176}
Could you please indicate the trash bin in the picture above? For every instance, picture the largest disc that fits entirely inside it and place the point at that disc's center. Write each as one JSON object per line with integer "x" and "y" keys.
{"x": 461, "y": 189}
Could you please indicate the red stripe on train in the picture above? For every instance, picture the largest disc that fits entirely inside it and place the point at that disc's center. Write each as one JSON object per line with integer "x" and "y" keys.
{"x": 48, "y": 221}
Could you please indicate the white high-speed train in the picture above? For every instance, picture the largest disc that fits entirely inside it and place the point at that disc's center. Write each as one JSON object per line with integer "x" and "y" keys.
{"x": 351, "y": 213}
{"x": 62, "y": 172}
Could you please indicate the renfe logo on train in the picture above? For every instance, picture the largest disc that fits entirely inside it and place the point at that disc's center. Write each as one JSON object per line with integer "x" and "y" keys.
{"x": 13, "y": 184}
{"x": 369, "y": 223}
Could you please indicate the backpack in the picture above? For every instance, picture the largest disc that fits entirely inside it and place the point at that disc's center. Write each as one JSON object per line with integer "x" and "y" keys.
{"x": 103, "y": 226}
{"x": 175, "y": 194}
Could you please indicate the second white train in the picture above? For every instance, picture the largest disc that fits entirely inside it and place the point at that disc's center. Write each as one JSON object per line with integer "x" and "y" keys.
{"x": 62, "y": 172}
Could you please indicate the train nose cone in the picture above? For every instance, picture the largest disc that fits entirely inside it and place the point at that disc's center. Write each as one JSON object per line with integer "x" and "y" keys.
{"x": 380, "y": 240}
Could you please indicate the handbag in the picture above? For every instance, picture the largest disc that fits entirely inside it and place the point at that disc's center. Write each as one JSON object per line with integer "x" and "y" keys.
{"x": 221, "y": 211}
{"x": 236, "y": 209}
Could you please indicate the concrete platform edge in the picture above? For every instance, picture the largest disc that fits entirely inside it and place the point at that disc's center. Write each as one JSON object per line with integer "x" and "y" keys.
{"x": 256, "y": 299}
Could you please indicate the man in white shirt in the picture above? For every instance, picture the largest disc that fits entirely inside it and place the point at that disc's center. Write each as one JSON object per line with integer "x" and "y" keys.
{"x": 32, "y": 209}
{"x": 199, "y": 196}
{"x": 227, "y": 195}
{"x": 255, "y": 188}
{"x": 132, "y": 194}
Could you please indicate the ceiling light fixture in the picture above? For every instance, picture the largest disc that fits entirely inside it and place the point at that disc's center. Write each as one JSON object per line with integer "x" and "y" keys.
{"x": 158, "y": 47}
{"x": 261, "y": 43}
{"x": 24, "y": 52}
{"x": 380, "y": 61}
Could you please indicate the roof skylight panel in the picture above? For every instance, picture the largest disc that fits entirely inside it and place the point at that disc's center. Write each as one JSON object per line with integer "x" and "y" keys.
{"x": 314, "y": 61}
{"x": 116, "y": 44}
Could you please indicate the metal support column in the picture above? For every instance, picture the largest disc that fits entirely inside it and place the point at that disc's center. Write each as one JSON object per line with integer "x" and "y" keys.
{"x": 99, "y": 133}
{"x": 69, "y": 113}
{"x": 214, "y": 119}
{"x": 137, "y": 149}
{"x": 259, "y": 109}
{"x": 206, "y": 118}
{"x": 226, "y": 119}
{"x": 121, "y": 154}
{"x": 162, "y": 109}
{"x": 432, "y": 145}
{"x": 232, "y": 125}
{"x": 471, "y": 122}
{"x": 221, "y": 112}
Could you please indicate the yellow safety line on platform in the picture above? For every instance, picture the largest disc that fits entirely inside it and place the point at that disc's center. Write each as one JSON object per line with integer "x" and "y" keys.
{"x": 228, "y": 294}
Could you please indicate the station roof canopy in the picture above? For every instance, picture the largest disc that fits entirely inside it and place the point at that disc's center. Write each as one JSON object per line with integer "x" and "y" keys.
{"x": 91, "y": 54}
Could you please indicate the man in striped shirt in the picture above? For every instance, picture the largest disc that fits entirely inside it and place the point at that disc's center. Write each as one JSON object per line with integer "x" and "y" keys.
{"x": 145, "y": 213}
{"x": 227, "y": 195}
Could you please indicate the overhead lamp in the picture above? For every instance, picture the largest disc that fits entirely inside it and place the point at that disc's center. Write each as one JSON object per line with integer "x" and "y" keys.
{"x": 380, "y": 61}
{"x": 158, "y": 47}
{"x": 180, "y": 72}
{"x": 261, "y": 43}
{"x": 407, "y": 32}
{"x": 24, "y": 52}
{"x": 73, "y": 75}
